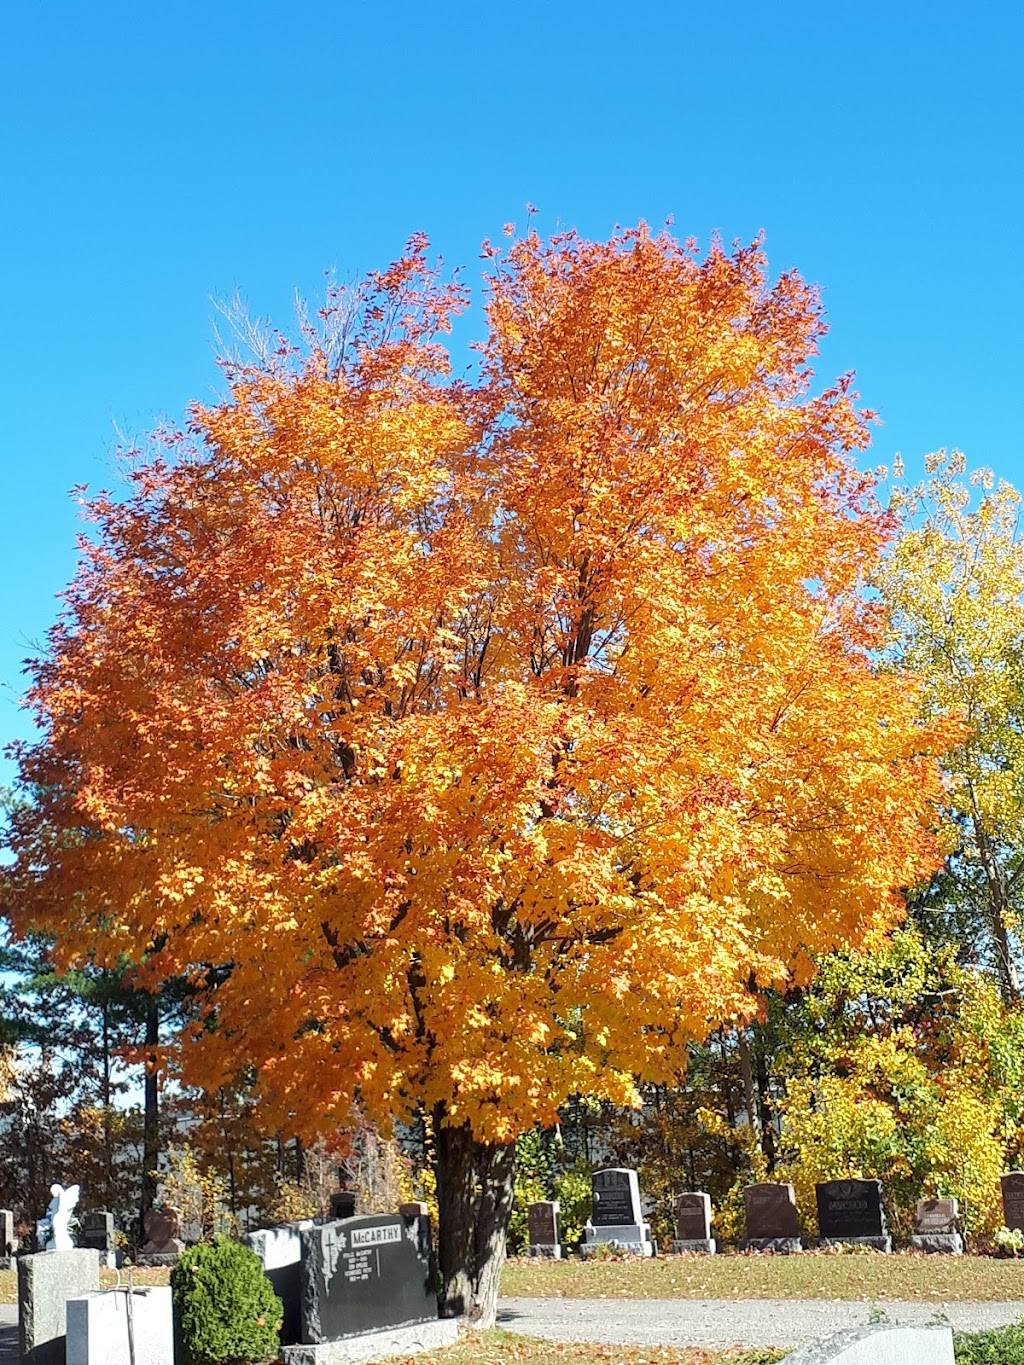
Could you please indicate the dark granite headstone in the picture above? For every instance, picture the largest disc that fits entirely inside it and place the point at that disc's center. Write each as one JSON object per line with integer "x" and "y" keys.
{"x": 343, "y": 1204}
{"x": 771, "y": 1212}
{"x": 616, "y": 1198}
{"x": 1013, "y": 1199}
{"x": 693, "y": 1224}
{"x": 693, "y": 1217}
{"x": 851, "y": 1212}
{"x": 364, "y": 1275}
{"x": 98, "y": 1230}
{"x": 542, "y": 1225}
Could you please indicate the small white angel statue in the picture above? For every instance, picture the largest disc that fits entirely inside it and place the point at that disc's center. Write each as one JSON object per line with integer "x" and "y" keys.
{"x": 52, "y": 1231}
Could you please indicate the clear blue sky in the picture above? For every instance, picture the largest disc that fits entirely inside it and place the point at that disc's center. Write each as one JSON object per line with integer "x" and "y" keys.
{"x": 154, "y": 156}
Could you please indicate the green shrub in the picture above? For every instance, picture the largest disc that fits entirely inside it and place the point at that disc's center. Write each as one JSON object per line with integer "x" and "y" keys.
{"x": 1001, "y": 1346}
{"x": 225, "y": 1308}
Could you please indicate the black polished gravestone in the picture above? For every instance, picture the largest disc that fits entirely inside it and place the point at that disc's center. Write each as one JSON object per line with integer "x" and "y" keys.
{"x": 343, "y": 1204}
{"x": 773, "y": 1223}
{"x": 365, "y": 1274}
{"x": 1013, "y": 1199}
{"x": 616, "y": 1198}
{"x": 850, "y": 1212}
{"x": 97, "y": 1230}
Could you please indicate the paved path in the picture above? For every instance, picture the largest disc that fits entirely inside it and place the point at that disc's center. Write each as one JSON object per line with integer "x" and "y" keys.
{"x": 8, "y": 1333}
{"x": 728, "y": 1322}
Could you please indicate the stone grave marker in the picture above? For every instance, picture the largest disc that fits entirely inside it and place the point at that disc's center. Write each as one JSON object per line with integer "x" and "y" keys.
{"x": 773, "y": 1223}
{"x": 8, "y": 1239}
{"x": 693, "y": 1224}
{"x": 280, "y": 1252}
{"x": 161, "y": 1233}
{"x": 366, "y": 1282}
{"x": 542, "y": 1225}
{"x": 46, "y": 1281}
{"x": 1013, "y": 1199}
{"x": 616, "y": 1217}
{"x": 97, "y": 1230}
{"x": 343, "y": 1204}
{"x": 99, "y": 1332}
{"x": 937, "y": 1227}
{"x": 850, "y": 1212}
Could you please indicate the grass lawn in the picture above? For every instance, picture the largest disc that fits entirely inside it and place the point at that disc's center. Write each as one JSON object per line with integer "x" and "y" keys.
{"x": 495, "y": 1348}
{"x": 811, "y": 1275}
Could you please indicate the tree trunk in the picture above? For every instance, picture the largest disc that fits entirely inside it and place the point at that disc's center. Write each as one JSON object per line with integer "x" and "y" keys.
{"x": 151, "y": 1110}
{"x": 474, "y": 1197}
{"x": 750, "y": 1097}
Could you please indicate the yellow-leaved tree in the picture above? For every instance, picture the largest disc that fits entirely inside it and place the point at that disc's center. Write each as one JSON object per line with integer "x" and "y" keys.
{"x": 954, "y": 586}
{"x": 496, "y": 736}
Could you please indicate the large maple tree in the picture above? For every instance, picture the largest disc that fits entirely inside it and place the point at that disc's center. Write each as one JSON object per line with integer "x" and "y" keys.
{"x": 499, "y": 735}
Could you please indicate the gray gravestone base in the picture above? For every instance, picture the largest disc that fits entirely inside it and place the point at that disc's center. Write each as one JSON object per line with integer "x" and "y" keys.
{"x": 784, "y": 1246}
{"x": 700, "y": 1246}
{"x": 389, "y": 1341}
{"x": 940, "y": 1243}
{"x": 45, "y": 1283}
{"x": 632, "y": 1238}
{"x": 543, "y": 1251}
{"x": 881, "y": 1344}
{"x": 873, "y": 1243}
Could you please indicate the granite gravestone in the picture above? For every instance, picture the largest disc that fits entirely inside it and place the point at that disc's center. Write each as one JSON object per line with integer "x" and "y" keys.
{"x": 937, "y": 1227}
{"x": 161, "y": 1233}
{"x": 8, "y": 1240}
{"x": 542, "y": 1225}
{"x": 97, "y": 1231}
{"x": 616, "y": 1218}
{"x": 280, "y": 1252}
{"x": 45, "y": 1283}
{"x": 365, "y": 1274}
{"x": 343, "y": 1204}
{"x": 693, "y": 1224}
{"x": 773, "y": 1223}
{"x": 1013, "y": 1199}
{"x": 850, "y": 1212}
{"x": 121, "y": 1327}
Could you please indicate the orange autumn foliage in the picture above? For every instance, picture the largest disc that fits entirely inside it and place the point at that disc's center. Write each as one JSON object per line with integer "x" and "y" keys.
{"x": 496, "y": 734}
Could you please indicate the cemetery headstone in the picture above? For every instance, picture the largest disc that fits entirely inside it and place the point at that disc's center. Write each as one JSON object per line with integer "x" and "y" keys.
{"x": 367, "y": 1282}
{"x": 850, "y": 1212}
{"x": 8, "y": 1239}
{"x": 1013, "y": 1199}
{"x": 161, "y": 1233}
{"x": 772, "y": 1221}
{"x": 693, "y": 1224}
{"x": 414, "y": 1209}
{"x": 280, "y": 1252}
{"x": 616, "y": 1217}
{"x": 46, "y": 1281}
{"x": 542, "y": 1227}
{"x": 937, "y": 1227}
{"x": 97, "y": 1230}
{"x": 105, "y": 1329}
{"x": 343, "y": 1204}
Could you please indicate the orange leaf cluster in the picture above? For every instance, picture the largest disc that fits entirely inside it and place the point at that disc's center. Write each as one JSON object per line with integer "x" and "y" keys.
{"x": 497, "y": 735}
